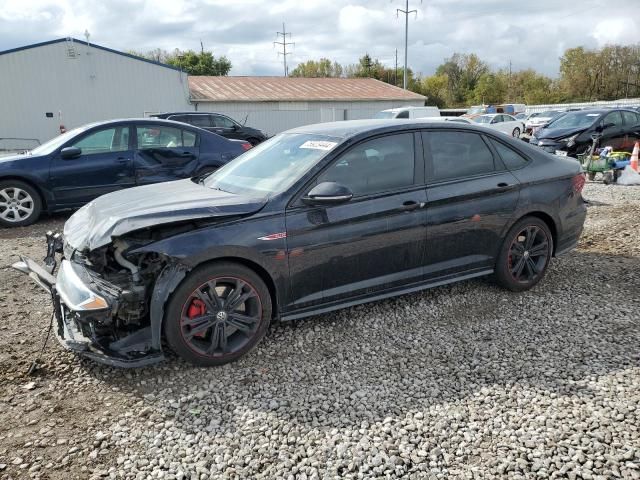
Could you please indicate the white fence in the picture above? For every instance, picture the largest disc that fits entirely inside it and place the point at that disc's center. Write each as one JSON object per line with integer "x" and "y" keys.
{"x": 624, "y": 102}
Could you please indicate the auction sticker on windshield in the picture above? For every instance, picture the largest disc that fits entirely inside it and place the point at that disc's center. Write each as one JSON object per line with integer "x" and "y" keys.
{"x": 318, "y": 145}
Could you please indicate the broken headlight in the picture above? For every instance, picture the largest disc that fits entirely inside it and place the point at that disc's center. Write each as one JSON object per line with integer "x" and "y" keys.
{"x": 74, "y": 292}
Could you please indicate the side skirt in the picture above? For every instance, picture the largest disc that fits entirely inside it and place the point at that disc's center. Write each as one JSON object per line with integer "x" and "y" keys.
{"x": 389, "y": 294}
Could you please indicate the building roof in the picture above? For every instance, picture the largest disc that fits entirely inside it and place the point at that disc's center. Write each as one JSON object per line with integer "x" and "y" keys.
{"x": 92, "y": 45}
{"x": 293, "y": 89}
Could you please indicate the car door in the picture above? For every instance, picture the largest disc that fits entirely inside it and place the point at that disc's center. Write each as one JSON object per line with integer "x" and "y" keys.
{"x": 164, "y": 153}
{"x": 496, "y": 123}
{"x": 105, "y": 164}
{"x": 226, "y": 127}
{"x": 613, "y": 133}
{"x": 472, "y": 199}
{"x": 631, "y": 129}
{"x": 370, "y": 244}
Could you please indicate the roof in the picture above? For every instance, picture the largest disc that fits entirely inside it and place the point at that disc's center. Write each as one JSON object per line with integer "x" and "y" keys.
{"x": 294, "y": 89}
{"x": 92, "y": 45}
{"x": 350, "y": 128}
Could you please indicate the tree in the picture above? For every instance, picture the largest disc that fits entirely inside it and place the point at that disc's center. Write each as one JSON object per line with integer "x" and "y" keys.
{"x": 435, "y": 88}
{"x": 463, "y": 73}
{"x": 203, "y": 63}
{"x": 320, "y": 68}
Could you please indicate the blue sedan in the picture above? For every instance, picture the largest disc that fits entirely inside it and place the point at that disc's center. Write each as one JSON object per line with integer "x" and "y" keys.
{"x": 82, "y": 164}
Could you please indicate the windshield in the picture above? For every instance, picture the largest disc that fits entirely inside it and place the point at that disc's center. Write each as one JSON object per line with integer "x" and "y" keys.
{"x": 483, "y": 119}
{"x": 48, "y": 147}
{"x": 575, "y": 120}
{"x": 384, "y": 114}
{"x": 272, "y": 166}
{"x": 550, "y": 114}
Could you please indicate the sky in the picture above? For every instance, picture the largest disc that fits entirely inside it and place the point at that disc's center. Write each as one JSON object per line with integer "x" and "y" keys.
{"x": 530, "y": 34}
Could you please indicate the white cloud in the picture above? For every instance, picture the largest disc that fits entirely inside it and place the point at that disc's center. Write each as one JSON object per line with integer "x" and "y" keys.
{"x": 530, "y": 34}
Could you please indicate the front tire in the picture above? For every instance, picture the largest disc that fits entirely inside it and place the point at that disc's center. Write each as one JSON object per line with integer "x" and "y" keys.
{"x": 217, "y": 314}
{"x": 20, "y": 204}
{"x": 524, "y": 255}
{"x": 516, "y": 132}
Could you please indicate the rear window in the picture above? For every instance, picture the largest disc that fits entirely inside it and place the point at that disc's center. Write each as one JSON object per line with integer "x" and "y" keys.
{"x": 509, "y": 156}
{"x": 457, "y": 155}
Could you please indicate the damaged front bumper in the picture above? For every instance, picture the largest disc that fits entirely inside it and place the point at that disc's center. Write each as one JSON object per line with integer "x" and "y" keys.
{"x": 83, "y": 305}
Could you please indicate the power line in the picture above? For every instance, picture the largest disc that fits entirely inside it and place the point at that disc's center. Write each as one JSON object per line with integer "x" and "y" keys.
{"x": 284, "y": 44}
{"x": 406, "y": 12}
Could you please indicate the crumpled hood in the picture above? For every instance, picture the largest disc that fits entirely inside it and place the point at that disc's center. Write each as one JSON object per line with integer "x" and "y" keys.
{"x": 117, "y": 213}
{"x": 555, "y": 133}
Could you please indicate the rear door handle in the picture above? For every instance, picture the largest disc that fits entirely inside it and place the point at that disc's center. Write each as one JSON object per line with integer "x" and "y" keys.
{"x": 123, "y": 160}
{"x": 410, "y": 205}
{"x": 503, "y": 185}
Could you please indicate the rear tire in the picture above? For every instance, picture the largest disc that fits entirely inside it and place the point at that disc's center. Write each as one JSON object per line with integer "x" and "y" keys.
{"x": 591, "y": 176}
{"x": 20, "y": 204}
{"x": 524, "y": 255}
{"x": 253, "y": 141}
{"x": 217, "y": 314}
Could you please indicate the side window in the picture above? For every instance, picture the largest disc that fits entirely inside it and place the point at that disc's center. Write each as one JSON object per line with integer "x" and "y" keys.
{"x": 613, "y": 117}
{"x": 508, "y": 118}
{"x": 152, "y": 136}
{"x": 374, "y": 166}
{"x": 179, "y": 118}
{"x": 457, "y": 155}
{"x": 510, "y": 157}
{"x": 188, "y": 139}
{"x": 200, "y": 120}
{"x": 222, "y": 122}
{"x": 104, "y": 141}
{"x": 403, "y": 114}
{"x": 631, "y": 119}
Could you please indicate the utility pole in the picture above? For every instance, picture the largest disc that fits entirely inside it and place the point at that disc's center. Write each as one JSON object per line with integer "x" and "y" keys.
{"x": 284, "y": 44}
{"x": 395, "y": 71}
{"x": 509, "y": 87}
{"x": 406, "y": 12}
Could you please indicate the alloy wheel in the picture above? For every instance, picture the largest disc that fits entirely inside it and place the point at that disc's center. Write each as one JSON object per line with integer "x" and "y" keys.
{"x": 16, "y": 204}
{"x": 220, "y": 317}
{"x": 528, "y": 254}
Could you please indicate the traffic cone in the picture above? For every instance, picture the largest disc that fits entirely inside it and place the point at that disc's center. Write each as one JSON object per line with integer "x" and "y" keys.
{"x": 634, "y": 156}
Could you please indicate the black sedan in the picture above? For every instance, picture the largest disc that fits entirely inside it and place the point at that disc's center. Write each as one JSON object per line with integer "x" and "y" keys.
{"x": 315, "y": 219}
{"x": 571, "y": 133}
{"x": 84, "y": 163}
{"x": 217, "y": 123}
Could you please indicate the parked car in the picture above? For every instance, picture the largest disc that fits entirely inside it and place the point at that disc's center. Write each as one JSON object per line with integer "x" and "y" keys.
{"x": 571, "y": 133}
{"x": 408, "y": 112}
{"x": 82, "y": 164}
{"x": 315, "y": 219}
{"x": 217, "y": 123}
{"x": 501, "y": 122}
{"x": 446, "y": 119}
{"x": 541, "y": 119}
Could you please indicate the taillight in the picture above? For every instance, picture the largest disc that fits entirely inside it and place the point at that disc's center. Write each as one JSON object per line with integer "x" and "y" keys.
{"x": 578, "y": 182}
{"x": 246, "y": 146}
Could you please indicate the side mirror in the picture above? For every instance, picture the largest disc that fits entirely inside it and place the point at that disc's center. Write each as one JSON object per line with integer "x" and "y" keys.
{"x": 328, "y": 193}
{"x": 70, "y": 153}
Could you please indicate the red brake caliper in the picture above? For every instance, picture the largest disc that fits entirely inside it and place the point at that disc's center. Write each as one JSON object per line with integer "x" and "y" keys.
{"x": 197, "y": 309}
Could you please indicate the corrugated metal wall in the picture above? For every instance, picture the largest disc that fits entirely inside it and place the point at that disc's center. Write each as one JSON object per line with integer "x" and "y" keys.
{"x": 275, "y": 117}
{"x": 95, "y": 85}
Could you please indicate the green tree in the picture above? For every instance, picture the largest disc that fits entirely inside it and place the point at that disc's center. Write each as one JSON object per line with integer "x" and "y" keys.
{"x": 194, "y": 63}
{"x": 317, "y": 68}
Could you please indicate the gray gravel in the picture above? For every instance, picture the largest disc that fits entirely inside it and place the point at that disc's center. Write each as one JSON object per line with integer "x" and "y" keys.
{"x": 463, "y": 381}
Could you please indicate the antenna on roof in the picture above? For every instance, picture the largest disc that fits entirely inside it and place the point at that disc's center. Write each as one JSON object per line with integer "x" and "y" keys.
{"x": 87, "y": 35}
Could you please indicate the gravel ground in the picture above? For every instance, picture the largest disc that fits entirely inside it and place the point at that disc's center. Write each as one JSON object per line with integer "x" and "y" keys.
{"x": 463, "y": 381}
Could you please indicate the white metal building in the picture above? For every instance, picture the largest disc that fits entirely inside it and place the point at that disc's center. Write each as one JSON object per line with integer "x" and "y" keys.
{"x": 70, "y": 82}
{"x": 275, "y": 104}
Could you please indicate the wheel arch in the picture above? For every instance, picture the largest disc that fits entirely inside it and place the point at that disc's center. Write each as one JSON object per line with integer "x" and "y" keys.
{"x": 548, "y": 220}
{"x": 43, "y": 198}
